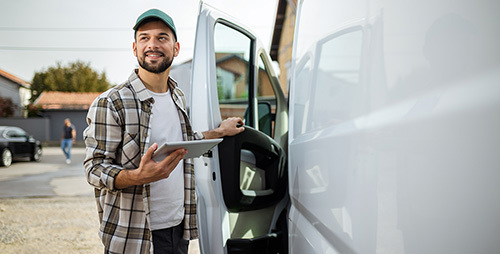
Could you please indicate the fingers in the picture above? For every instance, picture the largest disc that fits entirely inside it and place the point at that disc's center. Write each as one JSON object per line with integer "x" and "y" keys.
{"x": 150, "y": 151}
{"x": 238, "y": 124}
{"x": 151, "y": 171}
{"x": 235, "y": 120}
{"x": 239, "y": 120}
{"x": 231, "y": 126}
{"x": 178, "y": 154}
{"x": 232, "y": 122}
{"x": 239, "y": 127}
{"x": 171, "y": 161}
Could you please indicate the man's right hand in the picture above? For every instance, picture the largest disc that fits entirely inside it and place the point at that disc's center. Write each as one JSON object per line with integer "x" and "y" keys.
{"x": 149, "y": 170}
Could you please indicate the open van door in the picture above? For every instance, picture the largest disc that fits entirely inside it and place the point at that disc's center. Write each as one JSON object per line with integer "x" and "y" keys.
{"x": 242, "y": 183}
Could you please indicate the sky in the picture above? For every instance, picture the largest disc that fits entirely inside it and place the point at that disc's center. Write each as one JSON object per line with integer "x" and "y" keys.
{"x": 38, "y": 34}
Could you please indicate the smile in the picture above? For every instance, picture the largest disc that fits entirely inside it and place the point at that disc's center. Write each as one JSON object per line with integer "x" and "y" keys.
{"x": 154, "y": 54}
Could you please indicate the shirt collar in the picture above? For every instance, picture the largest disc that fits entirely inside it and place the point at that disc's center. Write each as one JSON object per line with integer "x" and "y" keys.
{"x": 141, "y": 90}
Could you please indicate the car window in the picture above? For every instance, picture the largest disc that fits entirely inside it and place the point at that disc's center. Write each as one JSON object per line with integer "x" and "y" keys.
{"x": 10, "y": 134}
{"x": 15, "y": 133}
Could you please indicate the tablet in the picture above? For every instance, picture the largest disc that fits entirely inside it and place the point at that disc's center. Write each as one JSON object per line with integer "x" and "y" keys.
{"x": 196, "y": 148}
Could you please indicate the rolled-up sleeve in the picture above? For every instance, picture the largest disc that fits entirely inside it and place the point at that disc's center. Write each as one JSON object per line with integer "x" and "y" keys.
{"x": 102, "y": 140}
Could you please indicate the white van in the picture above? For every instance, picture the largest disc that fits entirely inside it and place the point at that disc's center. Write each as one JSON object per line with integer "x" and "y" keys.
{"x": 389, "y": 143}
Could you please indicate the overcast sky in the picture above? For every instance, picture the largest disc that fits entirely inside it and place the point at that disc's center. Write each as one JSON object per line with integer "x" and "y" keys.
{"x": 36, "y": 34}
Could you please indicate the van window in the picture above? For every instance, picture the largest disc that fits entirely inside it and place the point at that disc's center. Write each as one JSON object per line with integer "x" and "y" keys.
{"x": 244, "y": 89}
{"x": 301, "y": 95}
{"x": 336, "y": 87}
{"x": 266, "y": 99}
{"x": 232, "y": 54}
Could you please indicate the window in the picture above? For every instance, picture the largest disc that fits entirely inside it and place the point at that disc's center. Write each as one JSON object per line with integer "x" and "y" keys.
{"x": 266, "y": 99}
{"x": 336, "y": 83}
{"x": 15, "y": 133}
{"x": 301, "y": 95}
{"x": 244, "y": 90}
{"x": 232, "y": 54}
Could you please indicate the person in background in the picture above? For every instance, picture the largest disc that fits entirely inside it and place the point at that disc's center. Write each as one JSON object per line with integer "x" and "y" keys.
{"x": 68, "y": 138}
{"x": 145, "y": 205}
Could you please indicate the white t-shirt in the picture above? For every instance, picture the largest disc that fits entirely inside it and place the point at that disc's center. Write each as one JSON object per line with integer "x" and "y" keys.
{"x": 167, "y": 195}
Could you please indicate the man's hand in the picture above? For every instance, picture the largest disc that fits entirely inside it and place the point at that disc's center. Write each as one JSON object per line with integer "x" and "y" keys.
{"x": 229, "y": 127}
{"x": 149, "y": 170}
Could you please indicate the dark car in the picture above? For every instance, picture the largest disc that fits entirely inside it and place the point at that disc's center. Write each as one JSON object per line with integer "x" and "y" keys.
{"x": 17, "y": 143}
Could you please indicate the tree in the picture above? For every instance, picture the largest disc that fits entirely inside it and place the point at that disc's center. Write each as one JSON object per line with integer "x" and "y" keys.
{"x": 76, "y": 77}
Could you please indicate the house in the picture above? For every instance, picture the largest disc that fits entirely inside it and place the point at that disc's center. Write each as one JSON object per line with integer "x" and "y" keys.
{"x": 282, "y": 40}
{"x": 58, "y": 106}
{"x": 17, "y": 90}
{"x": 181, "y": 73}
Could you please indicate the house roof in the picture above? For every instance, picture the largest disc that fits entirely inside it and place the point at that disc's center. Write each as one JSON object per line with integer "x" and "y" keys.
{"x": 13, "y": 78}
{"x": 278, "y": 26}
{"x": 65, "y": 100}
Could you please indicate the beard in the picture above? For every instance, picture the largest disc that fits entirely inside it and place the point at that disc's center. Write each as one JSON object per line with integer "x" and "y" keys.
{"x": 155, "y": 67}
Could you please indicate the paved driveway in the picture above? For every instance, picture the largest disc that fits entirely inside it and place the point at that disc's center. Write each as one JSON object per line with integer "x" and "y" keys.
{"x": 49, "y": 177}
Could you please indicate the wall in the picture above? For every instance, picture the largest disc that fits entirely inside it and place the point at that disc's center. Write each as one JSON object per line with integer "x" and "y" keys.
{"x": 182, "y": 74}
{"x": 285, "y": 46}
{"x": 57, "y": 117}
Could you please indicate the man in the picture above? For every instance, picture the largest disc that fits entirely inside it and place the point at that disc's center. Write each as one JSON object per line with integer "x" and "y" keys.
{"x": 145, "y": 205}
{"x": 68, "y": 138}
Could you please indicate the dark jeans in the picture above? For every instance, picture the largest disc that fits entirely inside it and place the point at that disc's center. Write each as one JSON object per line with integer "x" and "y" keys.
{"x": 169, "y": 240}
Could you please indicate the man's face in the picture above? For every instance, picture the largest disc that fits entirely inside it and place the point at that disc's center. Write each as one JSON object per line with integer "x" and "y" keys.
{"x": 155, "y": 46}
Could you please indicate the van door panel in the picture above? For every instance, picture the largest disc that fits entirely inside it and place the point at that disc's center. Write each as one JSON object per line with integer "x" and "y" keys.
{"x": 242, "y": 188}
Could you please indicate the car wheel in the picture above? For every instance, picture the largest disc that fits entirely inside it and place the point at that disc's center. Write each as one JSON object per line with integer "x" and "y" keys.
{"x": 37, "y": 154}
{"x": 6, "y": 157}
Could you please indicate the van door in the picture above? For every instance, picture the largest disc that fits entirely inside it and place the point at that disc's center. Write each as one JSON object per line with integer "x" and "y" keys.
{"x": 242, "y": 183}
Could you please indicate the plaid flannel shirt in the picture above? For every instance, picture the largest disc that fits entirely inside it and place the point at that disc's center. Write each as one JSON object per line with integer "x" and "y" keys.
{"x": 117, "y": 136}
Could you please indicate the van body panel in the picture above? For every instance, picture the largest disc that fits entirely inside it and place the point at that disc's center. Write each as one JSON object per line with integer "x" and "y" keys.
{"x": 394, "y": 125}
{"x": 391, "y": 144}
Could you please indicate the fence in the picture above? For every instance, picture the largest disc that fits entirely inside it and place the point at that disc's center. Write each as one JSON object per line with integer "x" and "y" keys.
{"x": 39, "y": 128}
{"x": 49, "y": 129}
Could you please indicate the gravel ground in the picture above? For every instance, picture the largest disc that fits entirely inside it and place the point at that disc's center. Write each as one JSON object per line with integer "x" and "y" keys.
{"x": 52, "y": 225}
{"x": 49, "y": 225}
{"x": 58, "y": 218}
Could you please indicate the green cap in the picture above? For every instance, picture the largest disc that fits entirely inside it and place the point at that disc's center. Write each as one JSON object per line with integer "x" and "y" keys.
{"x": 155, "y": 13}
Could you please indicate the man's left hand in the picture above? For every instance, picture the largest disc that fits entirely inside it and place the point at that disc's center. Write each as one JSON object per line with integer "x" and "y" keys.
{"x": 229, "y": 127}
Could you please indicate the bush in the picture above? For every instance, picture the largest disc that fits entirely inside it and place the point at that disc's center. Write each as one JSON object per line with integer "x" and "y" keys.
{"x": 7, "y": 107}
{"x": 34, "y": 111}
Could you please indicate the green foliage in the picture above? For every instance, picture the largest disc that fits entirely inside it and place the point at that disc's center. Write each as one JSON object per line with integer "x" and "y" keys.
{"x": 76, "y": 77}
{"x": 7, "y": 107}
